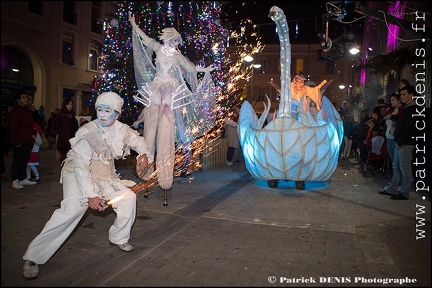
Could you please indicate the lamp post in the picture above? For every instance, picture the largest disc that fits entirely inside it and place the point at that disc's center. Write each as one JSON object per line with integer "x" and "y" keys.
{"x": 350, "y": 85}
{"x": 254, "y": 66}
{"x": 349, "y": 88}
{"x": 249, "y": 59}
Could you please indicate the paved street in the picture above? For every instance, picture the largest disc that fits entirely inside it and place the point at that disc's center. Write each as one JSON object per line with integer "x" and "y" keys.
{"x": 223, "y": 228}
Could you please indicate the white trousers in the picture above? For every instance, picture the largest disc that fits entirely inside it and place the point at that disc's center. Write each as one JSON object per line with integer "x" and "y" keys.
{"x": 159, "y": 134}
{"x": 66, "y": 218}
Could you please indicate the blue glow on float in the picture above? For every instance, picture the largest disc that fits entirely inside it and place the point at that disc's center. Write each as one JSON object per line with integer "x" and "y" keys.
{"x": 304, "y": 148}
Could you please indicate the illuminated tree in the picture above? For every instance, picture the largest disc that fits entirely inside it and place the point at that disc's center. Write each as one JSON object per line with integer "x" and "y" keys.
{"x": 197, "y": 22}
{"x": 205, "y": 42}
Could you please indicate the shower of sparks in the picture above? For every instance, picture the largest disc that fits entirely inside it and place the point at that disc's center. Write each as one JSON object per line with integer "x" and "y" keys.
{"x": 118, "y": 198}
{"x": 231, "y": 91}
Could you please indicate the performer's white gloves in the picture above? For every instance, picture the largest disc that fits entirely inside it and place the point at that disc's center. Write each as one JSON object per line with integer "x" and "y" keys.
{"x": 206, "y": 69}
{"x": 209, "y": 68}
{"x": 132, "y": 20}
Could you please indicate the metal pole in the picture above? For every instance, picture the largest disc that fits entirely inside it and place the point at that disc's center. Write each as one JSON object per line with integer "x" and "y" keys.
{"x": 165, "y": 202}
{"x": 146, "y": 189}
{"x": 252, "y": 89}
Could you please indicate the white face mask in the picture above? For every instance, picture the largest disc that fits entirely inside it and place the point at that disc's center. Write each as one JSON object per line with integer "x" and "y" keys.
{"x": 174, "y": 43}
{"x": 106, "y": 116}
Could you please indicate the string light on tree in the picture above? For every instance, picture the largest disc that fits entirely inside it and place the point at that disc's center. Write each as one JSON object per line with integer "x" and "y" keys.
{"x": 206, "y": 42}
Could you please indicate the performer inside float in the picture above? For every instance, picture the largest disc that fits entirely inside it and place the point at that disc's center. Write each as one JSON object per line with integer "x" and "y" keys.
{"x": 302, "y": 143}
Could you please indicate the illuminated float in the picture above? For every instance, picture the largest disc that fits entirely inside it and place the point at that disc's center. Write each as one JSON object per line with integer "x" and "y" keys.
{"x": 304, "y": 148}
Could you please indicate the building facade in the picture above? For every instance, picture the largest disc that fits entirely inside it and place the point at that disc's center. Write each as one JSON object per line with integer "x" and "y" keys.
{"x": 303, "y": 60}
{"x": 51, "y": 49}
{"x": 55, "y": 46}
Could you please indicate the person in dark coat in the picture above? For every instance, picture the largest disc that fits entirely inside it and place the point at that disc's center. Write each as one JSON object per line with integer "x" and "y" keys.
{"x": 405, "y": 136}
{"x": 231, "y": 124}
{"x": 65, "y": 126}
{"x": 35, "y": 112}
{"x": 22, "y": 136}
{"x": 361, "y": 135}
{"x": 5, "y": 147}
{"x": 50, "y": 134}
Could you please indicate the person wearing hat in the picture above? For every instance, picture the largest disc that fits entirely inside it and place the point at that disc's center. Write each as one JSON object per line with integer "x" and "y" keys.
{"x": 90, "y": 181}
{"x": 174, "y": 113}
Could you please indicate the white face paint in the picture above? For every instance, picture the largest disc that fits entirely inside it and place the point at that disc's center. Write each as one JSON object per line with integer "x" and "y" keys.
{"x": 106, "y": 116}
{"x": 174, "y": 43}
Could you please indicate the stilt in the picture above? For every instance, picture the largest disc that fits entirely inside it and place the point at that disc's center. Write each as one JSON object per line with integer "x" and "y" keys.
{"x": 165, "y": 203}
{"x": 146, "y": 190}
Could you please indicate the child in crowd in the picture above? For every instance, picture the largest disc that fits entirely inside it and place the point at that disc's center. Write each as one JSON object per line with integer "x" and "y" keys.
{"x": 34, "y": 155}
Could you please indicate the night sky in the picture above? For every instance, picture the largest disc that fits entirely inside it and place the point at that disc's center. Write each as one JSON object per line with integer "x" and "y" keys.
{"x": 306, "y": 15}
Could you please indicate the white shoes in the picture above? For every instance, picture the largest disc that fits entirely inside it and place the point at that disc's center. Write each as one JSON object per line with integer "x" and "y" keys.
{"x": 20, "y": 184}
{"x": 229, "y": 163}
{"x": 126, "y": 247}
{"x": 27, "y": 182}
{"x": 30, "y": 270}
{"x": 16, "y": 184}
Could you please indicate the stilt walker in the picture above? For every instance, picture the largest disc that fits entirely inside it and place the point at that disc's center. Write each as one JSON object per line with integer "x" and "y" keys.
{"x": 173, "y": 113}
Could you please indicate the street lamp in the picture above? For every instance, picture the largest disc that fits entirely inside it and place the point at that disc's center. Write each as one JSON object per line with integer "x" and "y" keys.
{"x": 249, "y": 59}
{"x": 254, "y": 66}
{"x": 354, "y": 50}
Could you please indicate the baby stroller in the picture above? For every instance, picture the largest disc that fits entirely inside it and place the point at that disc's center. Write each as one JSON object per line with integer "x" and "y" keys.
{"x": 375, "y": 159}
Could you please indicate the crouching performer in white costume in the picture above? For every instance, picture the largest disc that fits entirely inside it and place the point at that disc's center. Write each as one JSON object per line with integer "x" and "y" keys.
{"x": 174, "y": 113}
{"x": 88, "y": 177}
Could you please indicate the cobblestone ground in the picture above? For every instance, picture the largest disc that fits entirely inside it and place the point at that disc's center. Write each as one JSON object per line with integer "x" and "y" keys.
{"x": 223, "y": 228}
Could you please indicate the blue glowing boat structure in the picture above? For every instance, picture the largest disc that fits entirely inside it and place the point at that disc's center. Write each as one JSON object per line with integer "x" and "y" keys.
{"x": 302, "y": 149}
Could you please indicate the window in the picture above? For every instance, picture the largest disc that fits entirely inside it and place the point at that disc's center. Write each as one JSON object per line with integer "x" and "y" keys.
{"x": 261, "y": 94}
{"x": 68, "y": 93}
{"x": 96, "y": 25}
{"x": 86, "y": 108}
{"x": 67, "y": 50}
{"x": 299, "y": 65}
{"x": 35, "y": 7}
{"x": 113, "y": 8}
{"x": 93, "y": 62}
{"x": 263, "y": 68}
{"x": 278, "y": 65}
{"x": 69, "y": 15}
{"x": 13, "y": 80}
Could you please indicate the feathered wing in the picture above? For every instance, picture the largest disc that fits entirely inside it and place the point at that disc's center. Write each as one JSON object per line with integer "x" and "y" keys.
{"x": 196, "y": 112}
{"x": 144, "y": 69}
